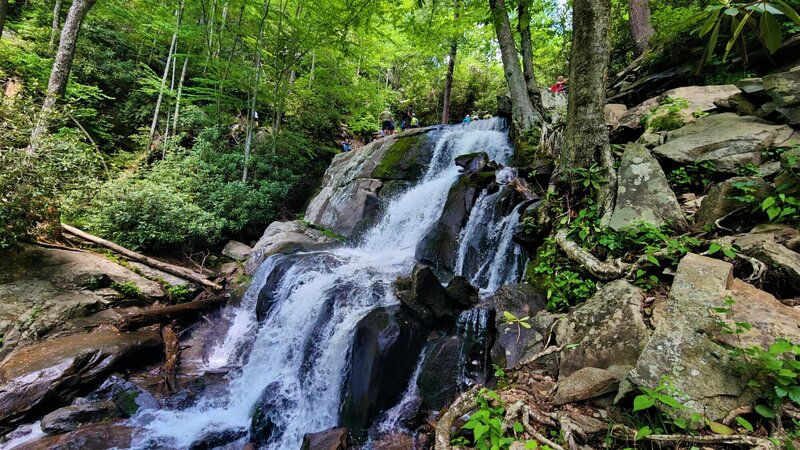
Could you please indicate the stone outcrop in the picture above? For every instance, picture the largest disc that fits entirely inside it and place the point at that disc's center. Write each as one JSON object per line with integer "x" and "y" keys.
{"x": 42, "y": 288}
{"x": 722, "y": 200}
{"x": 515, "y": 343}
{"x": 688, "y": 346}
{"x": 49, "y": 374}
{"x": 332, "y": 439}
{"x": 584, "y": 384}
{"x": 285, "y": 237}
{"x": 439, "y": 380}
{"x": 607, "y": 332}
{"x": 779, "y": 259}
{"x": 237, "y": 250}
{"x": 784, "y": 89}
{"x": 728, "y": 140}
{"x": 72, "y": 417}
{"x": 643, "y": 194}
{"x": 426, "y": 299}
{"x": 98, "y": 436}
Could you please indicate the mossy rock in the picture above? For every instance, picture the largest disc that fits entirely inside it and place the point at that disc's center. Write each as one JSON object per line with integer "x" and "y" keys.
{"x": 406, "y": 159}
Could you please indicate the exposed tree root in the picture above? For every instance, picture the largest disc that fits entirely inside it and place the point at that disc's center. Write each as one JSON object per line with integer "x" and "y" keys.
{"x": 463, "y": 404}
{"x": 541, "y": 354}
{"x": 759, "y": 268}
{"x": 521, "y": 409}
{"x": 604, "y": 271}
{"x": 624, "y": 433}
{"x": 736, "y": 413}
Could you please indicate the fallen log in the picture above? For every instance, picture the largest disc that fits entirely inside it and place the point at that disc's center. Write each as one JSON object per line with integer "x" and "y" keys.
{"x": 171, "y": 354}
{"x": 605, "y": 271}
{"x": 169, "y": 268}
{"x": 179, "y": 313}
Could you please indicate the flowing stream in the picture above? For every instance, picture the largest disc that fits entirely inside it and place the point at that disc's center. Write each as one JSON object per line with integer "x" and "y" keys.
{"x": 298, "y": 352}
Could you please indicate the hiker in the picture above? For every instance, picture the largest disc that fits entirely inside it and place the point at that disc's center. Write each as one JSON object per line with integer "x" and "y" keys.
{"x": 347, "y": 145}
{"x": 467, "y": 119}
{"x": 560, "y": 86}
{"x": 388, "y": 122}
{"x": 414, "y": 121}
{"x": 408, "y": 115}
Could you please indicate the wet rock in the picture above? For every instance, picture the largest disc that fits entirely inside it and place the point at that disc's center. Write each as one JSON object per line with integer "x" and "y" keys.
{"x": 236, "y": 250}
{"x": 784, "y": 262}
{"x": 46, "y": 375}
{"x": 462, "y": 292}
{"x": 721, "y": 199}
{"x": 216, "y": 439}
{"x": 386, "y": 344}
{"x": 395, "y": 441}
{"x": 728, "y": 140}
{"x": 690, "y": 347}
{"x": 332, "y": 439}
{"x": 99, "y": 436}
{"x": 344, "y": 209}
{"x": 476, "y": 328}
{"x": 584, "y": 384}
{"x": 738, "y": 103}
{"x": 643, "y": 193}
{"x": 427, "y": 294}
{"x": 265, "y": 418}
{"x": 439, "y": 379}
{"x": 753, "y": 88}
{"x": 515, "y": 343}
{"x": 126, "y": 395}
{"x": 69, "y": 418}
{"x": 607, "y": 331}
{"x": 285, "y": 237}
{"x": 472, "y": 162}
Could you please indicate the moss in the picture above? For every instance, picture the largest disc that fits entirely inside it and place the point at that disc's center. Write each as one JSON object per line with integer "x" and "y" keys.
{"x": 128, "y": 289}
{"x": 401, "y": 160}
{"x": 126, "y": 402}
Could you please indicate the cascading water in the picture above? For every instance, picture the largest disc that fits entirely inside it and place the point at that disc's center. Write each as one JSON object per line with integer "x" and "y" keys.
{"x": 295, "y": 359}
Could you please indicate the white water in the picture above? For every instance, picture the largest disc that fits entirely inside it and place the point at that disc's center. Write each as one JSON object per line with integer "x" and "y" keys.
{"x": 300, "y": 349}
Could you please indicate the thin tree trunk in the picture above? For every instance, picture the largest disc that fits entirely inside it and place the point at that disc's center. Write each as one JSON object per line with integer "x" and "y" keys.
{"x": 311, "y": 72}
{"x": 524, "y": 28}
{"x": 522, "y": 112}
{"x": 62, "y": 65}
{"x": 641, "y": 28}
{"x": 178, "y": 96}
{"x": 586, "y": 137}
{"x": 172, "y": 46}
{"x": 3, "y": 12}
{"x": 248, "y": 142}
{"x": 448, "y": 81}
{"x": 56, "y": 24}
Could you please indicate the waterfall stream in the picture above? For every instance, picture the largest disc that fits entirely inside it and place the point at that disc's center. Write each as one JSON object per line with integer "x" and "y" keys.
{"x": 296, "y": 356}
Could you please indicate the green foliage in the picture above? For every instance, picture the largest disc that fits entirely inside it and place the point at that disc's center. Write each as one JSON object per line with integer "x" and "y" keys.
{"x": 177, "y": 293}
{"x": 562, "y": 280}
{"x": 666, "y": 117}
{"x": 520, "y": 322}
{"x": 692, "y": 177}
{"x": 128, "y": 289}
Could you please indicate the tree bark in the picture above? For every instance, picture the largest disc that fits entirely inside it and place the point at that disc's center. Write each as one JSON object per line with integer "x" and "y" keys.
{"x": 181, "y": 312}
{"x": 56, "y": 24}
{"x": 178, "y": 96}
{"x": 641, "y": 28}
{"x": 251, "y": 116}
{"x": 448, "y": 81}
{"x": 522, "y": 112}
{"x": 586, "y": 137}
{"x": 172, "y": 46}
{"x": 3, "y": 12}
{"x": 62, "y": 65}
{"x": 524, "y": 28}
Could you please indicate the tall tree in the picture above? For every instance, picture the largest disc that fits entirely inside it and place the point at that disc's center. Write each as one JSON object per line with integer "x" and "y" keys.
{"x": 586, "y": 137}
{"x": 251, "y": 114}
{"x": 3, "y": 12}
{"x": 641, "y": 28}
{"x": 56, "y": 24}
{"x": 172, "y": 48}
{"x": 62, "y": 65}
{"x": 524, "y": 29}
{"x": 522, "y": 111}
{"x": 451, "y": 66}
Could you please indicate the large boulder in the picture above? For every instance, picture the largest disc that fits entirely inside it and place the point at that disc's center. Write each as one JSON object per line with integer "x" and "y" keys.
{"x": 784, "y": 88}
{"x": 584, "y": 384}
{"x": 629, "y": 126}
{"x": 784, "y": 262}
{"x": 98, "y": 436}
{"x": 691, "y": 349}
{"x": 643, "y": 193}
{"x": 126, "y": 395}
{"x": 439, "y": 380}
{"x": 386, "y": 345}
{"x": 428, "y": 300}
{"x": 72, "y": 417}
{"x": 514, "y": 343}
{"x": 285, "y": 237}
{"x": 726, "y": 197}
{"x": 606, "y": 332}
{"x": 42, "y": 288}
{"x": 49, "y": 374}
{"x": 237, "y": 250}
{"x": 332, "y": 439}
{"x": 728, "y": 140}
{"x": 349, "y": 197}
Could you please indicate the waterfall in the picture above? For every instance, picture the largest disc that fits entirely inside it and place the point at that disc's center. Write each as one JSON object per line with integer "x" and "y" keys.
{"x": 296, "y": 357}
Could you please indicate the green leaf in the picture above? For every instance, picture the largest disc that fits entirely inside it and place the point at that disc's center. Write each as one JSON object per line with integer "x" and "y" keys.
{"x": 794, "y": 394}
{"x": 735, "y": 35}
{"x": 770, "y": 31}
{"x": 643, "y": 432}
{"x": 732, "y": 11}
{"x": 518, "y": 427}
{"x": 786, "y": 9}
{"x": 709, "y": 23}
{"x": 773, "y": 212}
{"x": 769, "y": 201}
{"x": 525, "y": 324}
{"x": 714, "y": 248}
{"x": 531, "y": 445}
{"x": 642, "y": 402}
{"x": 479, "y": 430}
{"x": 509, "y": 316}
{"x": 669, "y": 401}
{"x": 765, "y": 411}
{"x": 719, "y": 428}
{"x": 744, "y": 424}
{"x": 653, "y": 260}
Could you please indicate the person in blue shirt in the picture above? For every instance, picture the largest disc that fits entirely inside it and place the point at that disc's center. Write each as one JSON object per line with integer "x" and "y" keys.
{"x": 467, "y": 119}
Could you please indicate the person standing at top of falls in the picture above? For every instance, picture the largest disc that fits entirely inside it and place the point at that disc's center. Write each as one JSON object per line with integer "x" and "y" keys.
{"x": 388, "y": 122}
{"x": 467, "y": 119}
{"x": 414, "y": 121}
{"x": 560, "y": 86}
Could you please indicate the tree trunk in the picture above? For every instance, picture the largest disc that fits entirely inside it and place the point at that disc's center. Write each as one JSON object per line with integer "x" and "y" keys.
{"x": 522, "y": 112}
{"x": 56, "y": 24}
{"x": 586, "y": 137}
{"x": 524, "y": 28}
{"x": 172, "y": 45}
{"x": 3, "y": 12}
{"x": 251, "y": 116}
{"x": 178, "y": 96}
{"x": 61, "y": 66}
{"x": 641, "y": 29}
{"x": 448, "y": 81}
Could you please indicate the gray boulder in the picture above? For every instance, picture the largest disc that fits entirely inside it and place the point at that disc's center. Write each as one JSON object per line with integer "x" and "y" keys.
{"x": 285, "y": 237}
{"x": 643, "y": 194}
{"x": 784, "y": 88}
{"x": 69, "y": 418}
{"x": 763, "y": 247}
{"x": 607, "y": 332}
{"x": 472, "y": 162}
{"x": 514, "y": 343}
{"x": 332, "y": 439}
{"x": 722, "y": 200}
{"x": 584, "y": 384}
{"x": 439, "y": 380}
{"x": 237, "y": 250}
{"x": 728, "y": 140}
{"x": 690, "y": 348}
{"x": 105, "y": 435}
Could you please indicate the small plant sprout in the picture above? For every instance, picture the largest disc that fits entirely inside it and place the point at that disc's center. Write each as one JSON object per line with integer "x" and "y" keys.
{"x": 520, "y": 322}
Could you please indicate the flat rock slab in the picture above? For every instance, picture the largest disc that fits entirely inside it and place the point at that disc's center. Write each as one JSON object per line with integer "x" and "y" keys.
{"x": 281, "y": 237}
{"x": 721, "y": 199}
{"x": 237, "y": 250}
{"x": 764, "y": 248}
{"x": 49, "y": 374}
{"x": 99, "y": 436}
{"x": 728, "y": 140}
{"x": 584, "y": 384}
{"x": 643, "y": 193}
